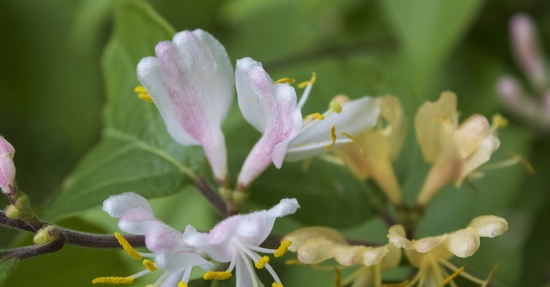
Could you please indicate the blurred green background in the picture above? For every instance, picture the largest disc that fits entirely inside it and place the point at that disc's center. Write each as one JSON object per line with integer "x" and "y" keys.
{"x": 52, "y": 92}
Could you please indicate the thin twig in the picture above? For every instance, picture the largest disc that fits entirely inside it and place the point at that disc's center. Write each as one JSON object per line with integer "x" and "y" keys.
{"x": 213, "y": 197}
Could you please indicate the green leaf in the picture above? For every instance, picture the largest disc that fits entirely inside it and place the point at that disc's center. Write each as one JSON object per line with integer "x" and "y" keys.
{"x": 135, "y": 152}
{"x": 328, "y": 194}
{"x": 6, "y": 268}
{"x": 427, "y": 31}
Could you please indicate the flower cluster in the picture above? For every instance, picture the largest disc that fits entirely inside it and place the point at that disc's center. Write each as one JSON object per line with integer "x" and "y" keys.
{"x": 235, "y": 240}
{"x": 430, "y": 255}
{"x": 191, "y": 82}
{"x": 454, "y": 150}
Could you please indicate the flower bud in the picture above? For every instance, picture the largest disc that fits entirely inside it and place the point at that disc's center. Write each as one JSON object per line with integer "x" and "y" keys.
{"x": 7, "y": 167}
{"x": 46, "y": 234}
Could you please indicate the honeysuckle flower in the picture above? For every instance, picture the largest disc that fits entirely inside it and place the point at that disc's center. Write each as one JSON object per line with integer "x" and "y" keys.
{"x": 236, "y": 240}
{"x": 374, "y": 149}
{"x": 7, "y": 167}
{"x": 314, "y": 245}
{"x": 431, "y": 254}
{"x": 531, "y": 60}
{"x": 191, "y": 82}
{"x": 272, "y": 108}
{"x": 453, "y": 150}
{"x": 170, "y": 252}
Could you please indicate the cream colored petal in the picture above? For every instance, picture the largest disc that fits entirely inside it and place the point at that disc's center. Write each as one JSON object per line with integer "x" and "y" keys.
{"x": 446, "y": 169}
{"x": 432, "y": 122}
{"x": 470, "y": 134}
{"x": 480, "y": 156}
{"x": 301, "y": 236}
{"x": 316, "y": 250}
{"x": 429, "y": 243}
{"x": 489, "y": 225}
{"x": 396, "y": 235}
{"x": 349, "y": 255}
{"x": 463, "y": 243}
{"x": 396, "y": 125}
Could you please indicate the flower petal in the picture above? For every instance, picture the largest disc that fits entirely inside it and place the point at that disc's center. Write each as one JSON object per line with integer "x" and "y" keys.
{"x": 191, "y": 83}
{"x": 7, "y": 166}
{"x": 118, "y": 205}
{"x": 489, "y": 225}
{"x": 355, "y": 117}
{"x": 463, "y": 243}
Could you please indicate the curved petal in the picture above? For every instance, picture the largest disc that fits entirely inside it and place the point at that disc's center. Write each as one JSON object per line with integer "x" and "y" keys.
{"x": 355, "y": 117}
{"x": 118, "y": 205}
{"x": 489, "y": 225}
{"x": 463, "y": 243}
{"x": 191, "y": 83}
{"x": 180, "y": 260}
{"x": 272, "y": 110}
{"x": 7, "y": 166}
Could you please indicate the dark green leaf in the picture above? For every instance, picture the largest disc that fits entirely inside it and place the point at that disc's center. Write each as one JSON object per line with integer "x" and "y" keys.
{"x": 6, "y": 268}
{"x": 328, "y": 194}
{"x": 135, "y": 153}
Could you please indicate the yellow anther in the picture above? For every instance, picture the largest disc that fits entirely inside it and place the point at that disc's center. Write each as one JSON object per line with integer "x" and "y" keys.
{"x": 451, "y": 277}
{"x": 275, "y": 284}
{"x": 260, "y": 264}
{"x": 310, "y": 82}
{"x": 182, "y": 284}
{"x": 335, "y": 106}
{"x": 293, "y": 262}
{"x": 285, "y": 80}
{"x": 113, "y": 280}
{"x": 499, "y": 121}
{"x": 283, "y": 248}
{"x": 332, "y": 137}
{"x": 127, "y": 247}
{"x": 217, "y": 275}
{"x": 143, "y": 94}
{"x": 151, "y": 266}
{"x": 316, "y": 116}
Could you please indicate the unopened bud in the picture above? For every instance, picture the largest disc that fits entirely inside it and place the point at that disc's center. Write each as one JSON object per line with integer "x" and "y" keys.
{"x": 47, "y": 234}
{"x": 7, "y": 168}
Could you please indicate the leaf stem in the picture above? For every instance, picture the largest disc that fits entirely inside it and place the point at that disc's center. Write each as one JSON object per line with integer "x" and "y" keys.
{"x": 214, "y": 198}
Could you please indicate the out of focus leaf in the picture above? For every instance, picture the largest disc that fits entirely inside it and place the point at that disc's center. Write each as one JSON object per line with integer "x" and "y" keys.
{"x": 428, "y": 30}
{"x": 6, "y": 268}
{"x": 135, "y": 153}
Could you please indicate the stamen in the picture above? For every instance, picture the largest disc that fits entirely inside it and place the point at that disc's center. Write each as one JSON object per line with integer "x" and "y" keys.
{"x": 282, "y": 249}
{"x": 217, "y": 275}
{"x": 285, "y": 80}
{"x": 260, "y": 264}
{"x": 335, "y": 106}
{"x": 308, "y": 83}
{"x": 316, "y": 116}
{"x": 400, "y": 284}
{"x": 182, "y": 284}
{"x": 338, "y": 277}
{"x": 127, "y": 247}
{"x": 143, "y": 94}
{"x": 356, "y": 141}
{"x": 151, "y": 266}
{"x": 275, "y": 284}
{"x": 451, "y": 277}
{"x": 332, "y": 137}
{"x": 113, "y": 280}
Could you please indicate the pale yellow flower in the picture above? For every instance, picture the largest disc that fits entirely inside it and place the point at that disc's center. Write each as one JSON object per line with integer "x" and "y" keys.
{"x": 431, "y": 254}
{"x": 454, "y": 150}
{"x": 317, "y": 244}
{"x": 372, "y": 152}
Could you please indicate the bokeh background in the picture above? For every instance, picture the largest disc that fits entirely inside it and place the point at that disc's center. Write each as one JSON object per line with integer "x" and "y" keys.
{"x": 52, "y": 93}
